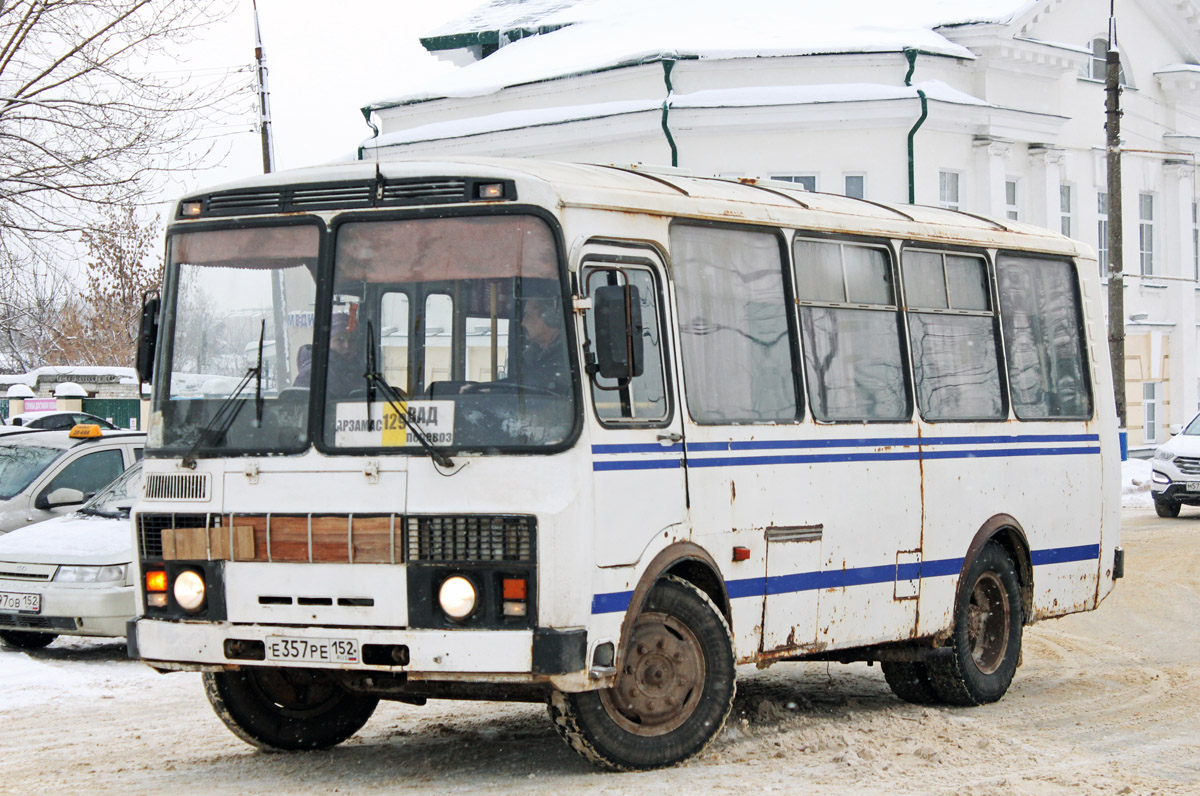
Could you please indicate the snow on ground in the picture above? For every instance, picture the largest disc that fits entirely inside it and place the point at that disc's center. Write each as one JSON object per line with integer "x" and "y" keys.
{"x": 1135, "y": 484}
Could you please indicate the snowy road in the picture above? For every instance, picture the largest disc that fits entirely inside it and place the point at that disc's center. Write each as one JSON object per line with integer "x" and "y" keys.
{"x": 1104, "y": 703}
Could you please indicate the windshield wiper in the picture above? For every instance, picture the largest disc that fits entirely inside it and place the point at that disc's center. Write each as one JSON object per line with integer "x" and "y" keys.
{"x": 90, "y": 512}
{"x": 394, "y": 396}
{"x": 258, "y": 396}
{"x": 216, "y": 428}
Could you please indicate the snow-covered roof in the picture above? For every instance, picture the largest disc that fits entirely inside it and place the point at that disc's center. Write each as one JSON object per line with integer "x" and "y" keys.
{"x": 603, "y": 34}
{"x": 67, "y": 372}
{"x": 500, "y": 15}
{"x": 761, "y": 96}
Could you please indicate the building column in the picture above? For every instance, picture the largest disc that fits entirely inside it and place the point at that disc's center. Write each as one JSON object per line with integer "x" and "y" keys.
{"x": 991, "y": 172}
{"x": 1046, "y": 173}
{"x": 1180, "y": 272}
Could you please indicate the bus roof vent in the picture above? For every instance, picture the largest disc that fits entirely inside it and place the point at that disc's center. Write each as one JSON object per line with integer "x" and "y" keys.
{"x": 449, "y": 189}
{"x": 238, "y": 202}
{"x": 319, "y": 196}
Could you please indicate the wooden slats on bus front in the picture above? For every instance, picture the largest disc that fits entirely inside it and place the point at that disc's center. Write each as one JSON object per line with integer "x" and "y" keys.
{"x": 319, "y": 539}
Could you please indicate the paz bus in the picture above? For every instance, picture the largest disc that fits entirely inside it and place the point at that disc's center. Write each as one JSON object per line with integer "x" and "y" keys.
{"x": 595, "y": 436}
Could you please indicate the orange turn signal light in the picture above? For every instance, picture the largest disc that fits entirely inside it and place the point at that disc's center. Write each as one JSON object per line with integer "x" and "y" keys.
{"x": 156, "y": 581}
{"x": 514, "y": 588}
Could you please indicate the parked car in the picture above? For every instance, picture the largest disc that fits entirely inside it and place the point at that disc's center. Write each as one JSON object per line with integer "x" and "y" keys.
{"x": 71, "y": 575}
{"x": 1175, "y": 479}
{"x": 45, "y": 474}
{"x": 57, "y": 419}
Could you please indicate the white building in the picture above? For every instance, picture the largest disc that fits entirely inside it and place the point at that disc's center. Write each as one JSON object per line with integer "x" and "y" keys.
{"x": 1003, "y": 101}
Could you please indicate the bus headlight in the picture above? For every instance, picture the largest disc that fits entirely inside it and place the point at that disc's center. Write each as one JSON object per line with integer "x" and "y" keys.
{"x": 457, "y": 597}
{"x": 189, "y": 591}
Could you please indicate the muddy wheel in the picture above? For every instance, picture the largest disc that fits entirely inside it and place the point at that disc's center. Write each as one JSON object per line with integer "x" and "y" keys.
{"x": 673, "y": 692}
{"x": 290, "y": 709}
{"x": 1166, "y": 508}
{"x": 986, "y": 641}
{"x": 909, "y": 680}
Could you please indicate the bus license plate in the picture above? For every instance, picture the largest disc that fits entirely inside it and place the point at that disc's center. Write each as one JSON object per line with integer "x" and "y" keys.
{"x": 20, "y": 603}
{"x": 1193, "y": 486}
{"x": 312, "y": 650}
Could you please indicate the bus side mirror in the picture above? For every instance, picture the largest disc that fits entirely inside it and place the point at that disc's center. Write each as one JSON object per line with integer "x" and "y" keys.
{"x": 618, "y": 320}
{"x": 148, "y": 337}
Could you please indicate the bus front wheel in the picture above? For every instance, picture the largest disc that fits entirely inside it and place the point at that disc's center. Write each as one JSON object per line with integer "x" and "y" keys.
{"x": 672, "y": 694}
{"x": 986, "y": 641}
{"x": 287, "y": 709}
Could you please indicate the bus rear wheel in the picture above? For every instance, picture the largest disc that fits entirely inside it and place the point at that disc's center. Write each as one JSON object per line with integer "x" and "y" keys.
{"x": 672, "y": 694}
{"x": 287, "y": 709}
{"x": 986, "y": 642}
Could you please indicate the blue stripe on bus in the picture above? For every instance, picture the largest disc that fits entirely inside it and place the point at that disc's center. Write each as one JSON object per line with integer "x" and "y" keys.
{"x": 639, "y": 447}
{"x": 639, "y": 464}
{"x": 823, "y": 458}
{"x": 615, "y": 602}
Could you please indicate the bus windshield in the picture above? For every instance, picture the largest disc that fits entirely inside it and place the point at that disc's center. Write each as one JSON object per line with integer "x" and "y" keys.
{"x": 236, "y": 321}
{"x": 465, "y": 317}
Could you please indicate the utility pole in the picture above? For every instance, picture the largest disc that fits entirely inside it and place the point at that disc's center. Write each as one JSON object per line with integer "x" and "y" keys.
{"x": 264, "y": 97}
{"x": 1116, "y": 236}
{"x": 283, "y": 376}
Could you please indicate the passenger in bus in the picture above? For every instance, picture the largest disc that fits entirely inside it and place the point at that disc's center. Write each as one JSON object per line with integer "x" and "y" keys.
{"x": 542, "y": 363}
{"x": 345, "y": 371}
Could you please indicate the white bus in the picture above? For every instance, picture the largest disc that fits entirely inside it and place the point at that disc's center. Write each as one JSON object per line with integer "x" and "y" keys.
{"x": 520, "y": 430}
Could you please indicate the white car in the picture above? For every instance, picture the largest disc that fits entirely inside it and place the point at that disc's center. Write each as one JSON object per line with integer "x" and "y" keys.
{"x": 71, "y": 575}
{"x": 45, "y": 474}
{"x": 58, "y": 419}
{"x": 1175, "y": 479}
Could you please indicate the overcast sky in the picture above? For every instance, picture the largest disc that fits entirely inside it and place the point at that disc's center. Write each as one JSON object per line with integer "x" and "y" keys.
{"x": 326, "y": 61}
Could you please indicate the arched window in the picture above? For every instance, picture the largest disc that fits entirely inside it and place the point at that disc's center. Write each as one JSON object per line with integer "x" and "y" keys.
{"x": 1096, "y": 66}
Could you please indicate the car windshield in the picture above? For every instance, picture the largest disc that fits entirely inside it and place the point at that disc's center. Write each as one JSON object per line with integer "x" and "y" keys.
{"x": 235, "y": 299}
{"x": 116, "y": 499}
{"x": 20, "y": 464}
{"x": 465, "y": 316}
{"x": 1193, "y": 428}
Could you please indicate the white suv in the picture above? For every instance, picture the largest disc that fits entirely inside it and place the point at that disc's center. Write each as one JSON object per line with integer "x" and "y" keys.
{"x": 1176, "y": 470}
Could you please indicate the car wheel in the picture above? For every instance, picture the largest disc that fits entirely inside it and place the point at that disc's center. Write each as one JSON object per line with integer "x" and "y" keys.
{"x": 672, "y": 694}
{"x": 909, "y": 680}
{"x": 986, "y": 640}
{"x": 1166, "y": 508}
{"x": 288, "y": 709}
{"x": 26, "y": 640}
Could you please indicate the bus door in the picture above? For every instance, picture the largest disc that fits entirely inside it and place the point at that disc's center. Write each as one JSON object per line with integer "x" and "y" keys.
{"x": 636, "y": 433}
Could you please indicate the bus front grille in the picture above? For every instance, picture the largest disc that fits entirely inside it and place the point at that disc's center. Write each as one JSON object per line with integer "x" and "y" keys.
{"x": 177, "y": 486}
{"x": 339, "y": 538}
{"x": 470, "y": 538}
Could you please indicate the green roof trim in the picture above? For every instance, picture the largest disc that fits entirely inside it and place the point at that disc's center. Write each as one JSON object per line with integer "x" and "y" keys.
{"x": 456, "y": 41}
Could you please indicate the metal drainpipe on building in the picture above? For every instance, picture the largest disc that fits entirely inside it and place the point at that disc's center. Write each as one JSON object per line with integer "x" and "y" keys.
{"x": 668, "y": 65}
{"x": 911, "y": 55}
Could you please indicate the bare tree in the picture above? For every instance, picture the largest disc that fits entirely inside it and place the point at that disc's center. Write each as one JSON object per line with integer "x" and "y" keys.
{"x": 99, "y": 325}
{"x": 86, "y": 118}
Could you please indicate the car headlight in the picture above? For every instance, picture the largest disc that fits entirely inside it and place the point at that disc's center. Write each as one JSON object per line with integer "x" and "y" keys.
{"x": 81, "y": 574}
{"x": 189, "y": 590}
{"x": 1159, "y": 478}
{"x": 1163, "y": 456}
{"x": 457, "y": 597}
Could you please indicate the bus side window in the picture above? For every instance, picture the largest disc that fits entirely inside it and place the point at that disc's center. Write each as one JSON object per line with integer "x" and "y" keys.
{"x": 952, "y": 334}
{"x": 734, "y": 330}
{"x": 645, "y": 399}
{"x": 1043, "y": 338}
{"x": 850, "y": 326}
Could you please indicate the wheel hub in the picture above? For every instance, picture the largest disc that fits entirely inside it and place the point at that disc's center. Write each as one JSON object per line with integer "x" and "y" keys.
{"x": 988, "y": 623}
{"x": 658, "y": 686}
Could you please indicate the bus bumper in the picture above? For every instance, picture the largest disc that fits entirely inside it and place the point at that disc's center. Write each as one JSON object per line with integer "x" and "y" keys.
{"x": 549, "y": 655}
